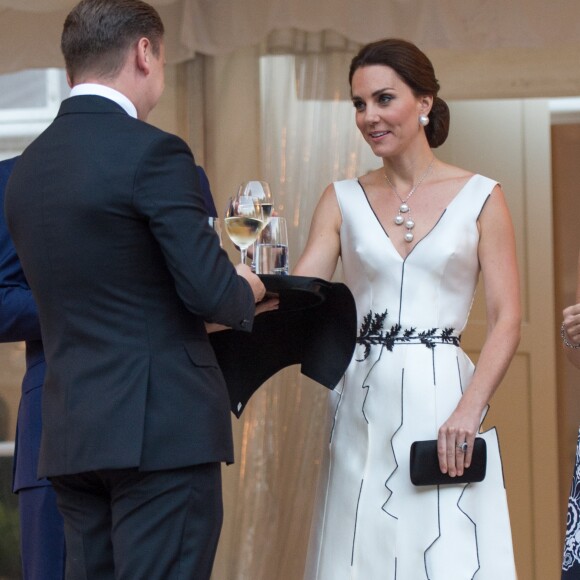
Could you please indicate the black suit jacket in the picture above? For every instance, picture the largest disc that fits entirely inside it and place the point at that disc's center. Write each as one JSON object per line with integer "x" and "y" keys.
{"x": 109, "y": 223}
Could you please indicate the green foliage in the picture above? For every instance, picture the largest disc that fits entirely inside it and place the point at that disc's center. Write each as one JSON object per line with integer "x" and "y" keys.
{"x": 9, "y": 543}
{"x": 9, "y": 525}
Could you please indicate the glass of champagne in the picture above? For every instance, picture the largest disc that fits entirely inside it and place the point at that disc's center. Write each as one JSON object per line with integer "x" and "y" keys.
{"x": 243, "y": 221}
{"x": 260, "y": 191}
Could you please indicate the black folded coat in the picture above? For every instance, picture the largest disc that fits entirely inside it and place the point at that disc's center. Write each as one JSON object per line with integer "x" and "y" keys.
{"x": 314, "y": 327}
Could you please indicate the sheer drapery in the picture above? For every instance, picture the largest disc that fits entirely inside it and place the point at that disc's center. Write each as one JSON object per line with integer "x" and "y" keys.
{"x": 522, "y": 48}
{"x": 307, "y": 141}
{"x": 217, "y": 26}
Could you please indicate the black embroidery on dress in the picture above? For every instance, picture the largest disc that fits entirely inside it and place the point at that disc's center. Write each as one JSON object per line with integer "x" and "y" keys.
{"x": 372, "y": 332}
{"x": 384, "y": 506}
{"x": 474, "y": 530}
{"x": 355, "y": 523}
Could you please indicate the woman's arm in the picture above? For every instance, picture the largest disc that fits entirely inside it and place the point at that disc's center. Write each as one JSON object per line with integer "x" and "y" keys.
{"x": 571, "y": 326}
{"x": 322, "y": 250}
{"x": 497, "y": 256}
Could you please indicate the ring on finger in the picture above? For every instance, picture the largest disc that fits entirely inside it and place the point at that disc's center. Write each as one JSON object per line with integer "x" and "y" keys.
{"x": 462, "y": 447}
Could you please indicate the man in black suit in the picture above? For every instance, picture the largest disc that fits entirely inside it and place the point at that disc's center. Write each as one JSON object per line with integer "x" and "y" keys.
{"x": 108, "y": 220}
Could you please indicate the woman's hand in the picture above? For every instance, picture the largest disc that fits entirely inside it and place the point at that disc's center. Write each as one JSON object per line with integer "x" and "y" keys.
{"x": 571, "y": 323}
{"x": 461, "y": 427}
{"x": 571, "y": 326}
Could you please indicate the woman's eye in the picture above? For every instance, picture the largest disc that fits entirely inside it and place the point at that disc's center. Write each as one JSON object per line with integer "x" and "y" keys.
{"x": 358, "y": 105}
{"x": 385, "y": 99}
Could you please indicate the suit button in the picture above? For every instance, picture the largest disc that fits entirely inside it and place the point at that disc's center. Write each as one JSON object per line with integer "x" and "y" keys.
{"x": 244, "y": 323}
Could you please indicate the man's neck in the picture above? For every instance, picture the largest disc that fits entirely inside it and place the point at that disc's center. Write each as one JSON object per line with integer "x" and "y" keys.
{"x": 108, "y": 92}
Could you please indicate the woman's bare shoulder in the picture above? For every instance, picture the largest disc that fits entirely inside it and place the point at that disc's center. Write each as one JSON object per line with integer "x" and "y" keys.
{"x": 373, "y": 178}
{"x": 451, "y": 173}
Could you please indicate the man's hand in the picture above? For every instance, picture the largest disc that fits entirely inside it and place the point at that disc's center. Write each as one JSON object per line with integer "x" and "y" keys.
{"x": 256, "y": 284}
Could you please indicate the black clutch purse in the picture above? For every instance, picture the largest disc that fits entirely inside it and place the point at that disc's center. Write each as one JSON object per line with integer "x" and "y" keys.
{"x": 425, "y": 464}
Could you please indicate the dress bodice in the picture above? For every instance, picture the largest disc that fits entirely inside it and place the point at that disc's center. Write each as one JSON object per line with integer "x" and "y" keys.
{"x": 434, "y": 286}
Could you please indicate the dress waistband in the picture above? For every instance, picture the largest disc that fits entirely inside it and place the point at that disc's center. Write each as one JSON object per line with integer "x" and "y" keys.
{"x": 372, "y": 333}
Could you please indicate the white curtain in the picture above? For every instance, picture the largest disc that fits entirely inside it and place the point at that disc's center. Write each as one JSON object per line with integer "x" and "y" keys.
{"x": 307, "y": 140}
{"x": 217, "y": 26}
{"x": 482, "y": 48}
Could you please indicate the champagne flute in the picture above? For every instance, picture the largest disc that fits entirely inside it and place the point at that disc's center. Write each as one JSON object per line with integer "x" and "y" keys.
{"x": 260, "y": 191}
{"x": 243, "y": 221}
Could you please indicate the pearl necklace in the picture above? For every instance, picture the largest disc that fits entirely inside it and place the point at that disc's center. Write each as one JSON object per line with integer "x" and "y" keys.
{"x": 404, "y": 207}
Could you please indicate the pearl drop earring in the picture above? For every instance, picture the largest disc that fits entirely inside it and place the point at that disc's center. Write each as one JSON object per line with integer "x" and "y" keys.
{"x": 423, "y": 120}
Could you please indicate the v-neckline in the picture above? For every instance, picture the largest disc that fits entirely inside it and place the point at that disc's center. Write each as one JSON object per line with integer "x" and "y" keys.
{"x": 404, "y": 258}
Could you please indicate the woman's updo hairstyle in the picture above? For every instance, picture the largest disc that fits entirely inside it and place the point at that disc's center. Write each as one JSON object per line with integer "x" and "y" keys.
{"x": 416, "y": 71}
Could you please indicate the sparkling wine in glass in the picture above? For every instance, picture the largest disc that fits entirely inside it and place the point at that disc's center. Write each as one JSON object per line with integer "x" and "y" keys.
{"x": 259, "y": 191}
{"x": 243, "y": 222}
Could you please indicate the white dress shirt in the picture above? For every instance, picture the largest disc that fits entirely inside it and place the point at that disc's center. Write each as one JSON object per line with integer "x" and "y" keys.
{"x": 108, "y": 93}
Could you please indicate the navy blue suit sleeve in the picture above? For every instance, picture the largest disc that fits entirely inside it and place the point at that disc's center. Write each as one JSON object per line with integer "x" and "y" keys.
{"x": 18, "y": 313}
{"x": 206, "y": 190}
{"x": 205, "y": 279}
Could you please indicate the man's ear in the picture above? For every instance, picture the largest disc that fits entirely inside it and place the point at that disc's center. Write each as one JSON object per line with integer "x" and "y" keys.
{"x": 144, "y": 54}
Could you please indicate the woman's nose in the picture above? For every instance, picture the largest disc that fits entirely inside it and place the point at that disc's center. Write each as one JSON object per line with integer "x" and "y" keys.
{"x": 371, "y": 115}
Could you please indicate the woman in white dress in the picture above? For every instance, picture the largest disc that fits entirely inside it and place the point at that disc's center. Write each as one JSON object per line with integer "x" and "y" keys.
{"x": 413, "y": 237}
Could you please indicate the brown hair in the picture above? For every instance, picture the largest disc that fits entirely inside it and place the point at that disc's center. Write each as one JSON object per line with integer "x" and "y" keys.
{"x": 97, "y": 34}
{"x": 416, "y": 71}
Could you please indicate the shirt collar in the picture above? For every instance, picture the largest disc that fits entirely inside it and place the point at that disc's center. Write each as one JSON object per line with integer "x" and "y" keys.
{"x": 108, "y": 93}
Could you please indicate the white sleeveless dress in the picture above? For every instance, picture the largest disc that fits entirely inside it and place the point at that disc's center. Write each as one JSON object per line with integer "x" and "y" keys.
{"x": 406, "y": 377}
